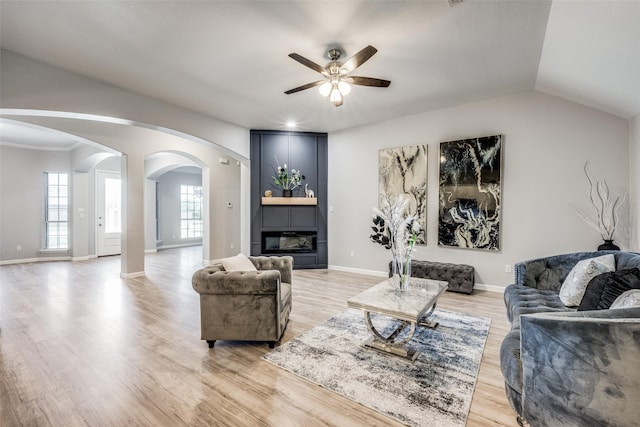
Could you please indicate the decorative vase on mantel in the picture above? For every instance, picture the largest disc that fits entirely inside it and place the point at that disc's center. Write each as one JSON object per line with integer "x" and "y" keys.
{"x": 287, "y": 193}
{"x": 608, "y": 246}
{"x": 401, "y": 273}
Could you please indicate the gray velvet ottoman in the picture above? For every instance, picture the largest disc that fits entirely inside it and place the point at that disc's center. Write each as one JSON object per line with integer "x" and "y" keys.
{"x": 460, "y": 276}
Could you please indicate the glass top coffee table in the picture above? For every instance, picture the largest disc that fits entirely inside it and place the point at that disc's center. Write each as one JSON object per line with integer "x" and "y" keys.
{"x": 411, "y": 307}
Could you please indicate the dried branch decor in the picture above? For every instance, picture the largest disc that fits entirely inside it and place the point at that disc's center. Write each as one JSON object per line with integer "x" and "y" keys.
{"x": 604, "y": 204}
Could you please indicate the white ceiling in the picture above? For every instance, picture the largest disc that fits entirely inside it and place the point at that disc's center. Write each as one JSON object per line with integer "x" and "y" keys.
{"x": 228, "y": 59}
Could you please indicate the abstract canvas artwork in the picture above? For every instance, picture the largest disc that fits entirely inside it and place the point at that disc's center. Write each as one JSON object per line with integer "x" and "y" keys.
{"x": 470, "y": 193}
{"x": 403, "y": 170}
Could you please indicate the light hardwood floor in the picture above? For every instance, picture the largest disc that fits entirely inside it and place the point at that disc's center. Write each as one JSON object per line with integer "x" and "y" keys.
{"x": 80, "y": 346}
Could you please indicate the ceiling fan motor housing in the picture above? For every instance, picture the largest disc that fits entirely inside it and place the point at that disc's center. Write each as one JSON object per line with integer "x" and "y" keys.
{"x": 334, "y": 54}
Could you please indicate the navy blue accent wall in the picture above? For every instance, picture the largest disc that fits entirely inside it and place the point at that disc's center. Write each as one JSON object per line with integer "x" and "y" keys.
{"x": 308, "y": 153}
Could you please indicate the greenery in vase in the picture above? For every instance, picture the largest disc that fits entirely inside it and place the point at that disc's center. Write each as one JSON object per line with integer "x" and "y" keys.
{"x": 287, "y": 180}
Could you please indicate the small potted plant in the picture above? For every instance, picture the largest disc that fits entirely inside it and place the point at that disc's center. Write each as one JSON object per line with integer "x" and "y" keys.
{"x": 287, "y": 180}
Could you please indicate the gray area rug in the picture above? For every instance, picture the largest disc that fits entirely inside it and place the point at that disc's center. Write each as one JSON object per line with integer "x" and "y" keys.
{"x": 435, "y": 390}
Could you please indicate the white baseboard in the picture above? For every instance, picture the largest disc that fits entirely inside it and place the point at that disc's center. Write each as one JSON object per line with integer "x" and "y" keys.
{"x": 132, "y": 275}
{"x": 39, "y": 259}
{"x": 179, "y": 245}
{"x": 83, "y": 258}
{"x": 150, "y": 251}
{"x": 489, "y": 288}
{"x": 478, "y": 286}
{"x": 358, "y": 271}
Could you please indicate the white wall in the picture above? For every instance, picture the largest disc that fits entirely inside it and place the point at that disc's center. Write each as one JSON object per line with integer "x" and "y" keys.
{"x": 546, "y": 143}
{"x": 137, "y": 127}
{"x": 634, "y": 192}
{"x": 31, "y": 84}
{"x": 22, "y": 199}
{"x": 168, "y": 197}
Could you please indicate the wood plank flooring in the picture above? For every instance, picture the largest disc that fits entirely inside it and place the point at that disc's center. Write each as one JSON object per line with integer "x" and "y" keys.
{"x": 79, "y": 346}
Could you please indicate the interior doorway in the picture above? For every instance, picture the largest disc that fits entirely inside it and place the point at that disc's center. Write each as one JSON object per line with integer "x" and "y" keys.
{"x": 108, "y": 213}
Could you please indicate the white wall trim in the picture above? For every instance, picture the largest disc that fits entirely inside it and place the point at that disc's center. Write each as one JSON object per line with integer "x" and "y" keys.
{"x": 489, "y": 288}
{"x": 476, "y": 286}
{"x": 132, "y": 275}
{"x": 28, "y": 260}
{"x": 359, "y": 271}
{"x": 83, "y": 258}
{"x": 179, "y": 245}
{"x": 150, "y": 251}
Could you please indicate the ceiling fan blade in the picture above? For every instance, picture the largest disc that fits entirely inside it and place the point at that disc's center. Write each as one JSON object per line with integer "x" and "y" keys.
{"x": 359, "y": 58}
{"x": 303, "y": 87}
{"x": 368, "y": 81}
{"x": 307, "y": 63}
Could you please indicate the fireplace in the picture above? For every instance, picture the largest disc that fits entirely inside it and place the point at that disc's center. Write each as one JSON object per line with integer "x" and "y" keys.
{"x": 279, "y": 242}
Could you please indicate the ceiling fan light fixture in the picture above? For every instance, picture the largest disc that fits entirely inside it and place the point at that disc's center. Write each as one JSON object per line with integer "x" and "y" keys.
{"x": 337, "y": 79}
{"x": 325, "y": 89}
{"x": 344, "y": 87}
{"x": 335, "y": 96}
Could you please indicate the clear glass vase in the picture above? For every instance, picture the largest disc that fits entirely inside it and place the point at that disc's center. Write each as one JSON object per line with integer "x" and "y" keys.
{"x": 401, "y": 272}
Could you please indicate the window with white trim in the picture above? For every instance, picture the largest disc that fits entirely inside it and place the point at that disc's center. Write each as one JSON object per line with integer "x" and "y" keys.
{"x": 56, "y": 211}
{"x": 190, "y": 211}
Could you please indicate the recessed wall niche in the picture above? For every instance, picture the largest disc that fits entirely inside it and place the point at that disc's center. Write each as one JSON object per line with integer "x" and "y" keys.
{"x": 300, "y": 225}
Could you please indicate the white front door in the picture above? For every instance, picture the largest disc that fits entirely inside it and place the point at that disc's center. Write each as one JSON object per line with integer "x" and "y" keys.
{"x": 109, "y": 213}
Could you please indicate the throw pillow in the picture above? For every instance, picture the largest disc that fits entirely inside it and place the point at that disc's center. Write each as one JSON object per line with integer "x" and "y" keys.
{"x": 239, "y": 262}
{"x": 603, "y": 290}
{"x": 628, "y": 299}
{"x": 574, "y": 285}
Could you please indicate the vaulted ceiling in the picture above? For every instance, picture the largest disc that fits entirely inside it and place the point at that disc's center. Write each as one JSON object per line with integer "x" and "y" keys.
{"x": 229, "y": 59}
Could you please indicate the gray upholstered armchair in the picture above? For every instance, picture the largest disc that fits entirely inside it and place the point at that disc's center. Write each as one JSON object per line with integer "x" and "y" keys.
{"x": 245, "y": 305}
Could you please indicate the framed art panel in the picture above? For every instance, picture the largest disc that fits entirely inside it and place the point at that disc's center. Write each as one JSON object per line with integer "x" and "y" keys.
{"x": 469, "y": 204}
{"x": 403, "y": 170}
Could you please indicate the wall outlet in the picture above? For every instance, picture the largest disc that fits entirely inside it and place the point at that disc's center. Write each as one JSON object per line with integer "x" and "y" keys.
{"x": 507, "y": 268}
{"x": 232, "y": 246}
{"x": 18, "y": 248}
{"x": 353, "y": 254}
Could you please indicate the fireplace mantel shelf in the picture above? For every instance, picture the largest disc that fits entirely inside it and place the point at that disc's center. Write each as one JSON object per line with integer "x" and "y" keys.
{"x": 290, "y": 201}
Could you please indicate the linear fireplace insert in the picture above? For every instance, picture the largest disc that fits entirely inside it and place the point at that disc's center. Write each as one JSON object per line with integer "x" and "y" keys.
{"x": 277, "y": 242}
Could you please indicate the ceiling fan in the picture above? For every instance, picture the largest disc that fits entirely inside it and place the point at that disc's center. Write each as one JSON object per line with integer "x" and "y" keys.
{"x": 337, "y": 81}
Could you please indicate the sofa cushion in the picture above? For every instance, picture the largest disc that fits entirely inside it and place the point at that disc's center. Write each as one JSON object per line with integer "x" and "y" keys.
{"x": 575, "y": 284}
{"x": 627, "y": 299}
{"x": 521, "y": 300}
{"x": 239, "y": 262}
{"x": 603, "y": 290}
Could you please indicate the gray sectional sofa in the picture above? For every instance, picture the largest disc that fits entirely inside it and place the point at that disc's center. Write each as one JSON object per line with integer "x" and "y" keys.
{"x": 564, "y": 367}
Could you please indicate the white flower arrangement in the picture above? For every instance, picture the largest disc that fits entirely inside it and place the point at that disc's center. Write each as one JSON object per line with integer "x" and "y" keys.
{"x": 394, "y": 229}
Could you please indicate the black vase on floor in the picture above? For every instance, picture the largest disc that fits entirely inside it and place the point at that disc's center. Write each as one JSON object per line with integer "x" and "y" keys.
{"x": 608, "y": 246}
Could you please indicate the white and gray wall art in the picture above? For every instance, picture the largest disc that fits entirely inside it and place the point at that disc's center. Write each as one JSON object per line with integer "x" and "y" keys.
{"x": 403, "y": 170}
{"x": 470, "y": 193}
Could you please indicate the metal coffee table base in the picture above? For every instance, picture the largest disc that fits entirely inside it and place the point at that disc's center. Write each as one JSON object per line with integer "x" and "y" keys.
{"x": 393, "y": 345}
